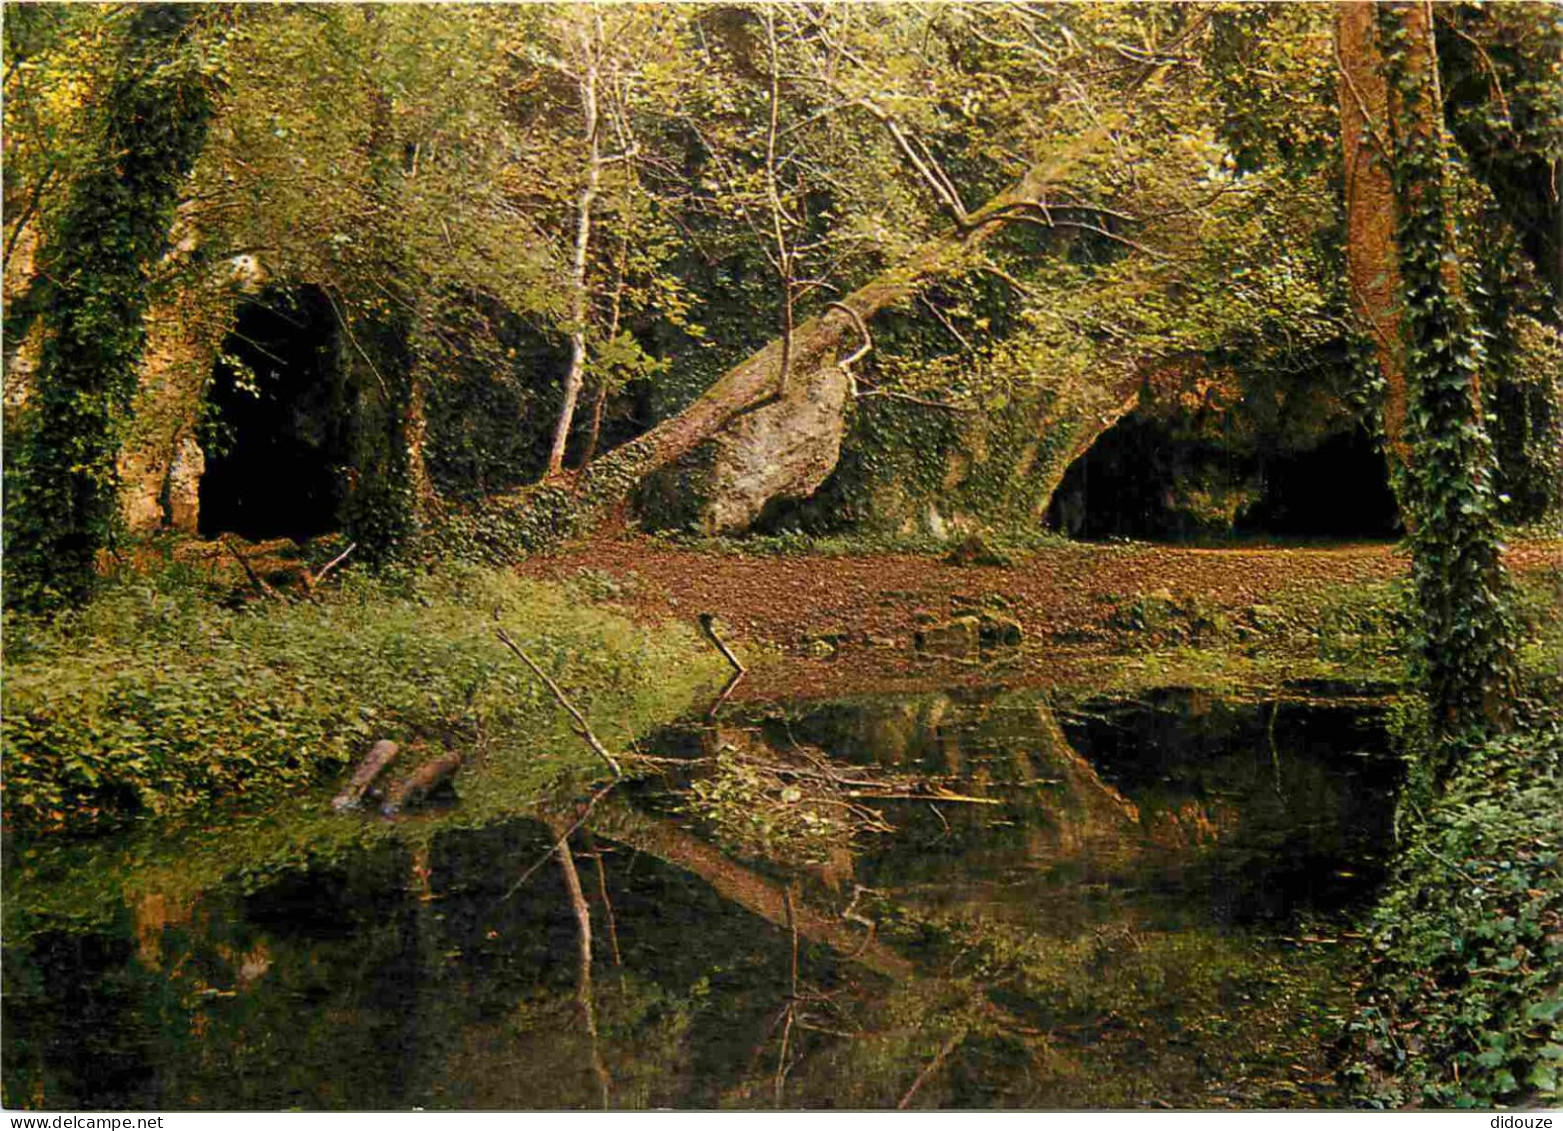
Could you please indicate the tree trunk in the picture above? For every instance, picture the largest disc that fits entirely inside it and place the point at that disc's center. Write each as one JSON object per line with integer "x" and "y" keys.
{"x": 583, "y": 242}
{"x": 1372, "y": 256}
{"x": 1467, "y": 639}
{"x": 548, "y": 512}
{"x": 750, "y": 386}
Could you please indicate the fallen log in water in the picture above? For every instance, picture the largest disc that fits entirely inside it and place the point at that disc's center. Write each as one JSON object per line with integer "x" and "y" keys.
{"x": 419, "y": 784}
{"x": 352, "y": 795}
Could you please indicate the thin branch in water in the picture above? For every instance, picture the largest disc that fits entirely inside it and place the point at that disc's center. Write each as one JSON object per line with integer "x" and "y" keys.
{"x": 707, "y": 625}
{"x": 792, "y": 1001}
{"x": 725, "y": 694}
{"x": 607, "y": 904}
{"x": 586, "y": 812}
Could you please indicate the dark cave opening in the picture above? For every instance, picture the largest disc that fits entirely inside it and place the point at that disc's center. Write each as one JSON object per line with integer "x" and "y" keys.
{"x": 1339, "y": 489}
{"x": 278, "y": 422}
{"x": 1140, "y": 481}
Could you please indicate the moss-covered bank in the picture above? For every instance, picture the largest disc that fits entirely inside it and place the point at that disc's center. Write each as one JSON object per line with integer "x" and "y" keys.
{"x": 155, "y": 700}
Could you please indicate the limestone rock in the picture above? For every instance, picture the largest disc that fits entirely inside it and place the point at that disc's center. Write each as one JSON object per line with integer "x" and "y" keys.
{"x": 969, "y": 634}
{"x": 784, "y": 450}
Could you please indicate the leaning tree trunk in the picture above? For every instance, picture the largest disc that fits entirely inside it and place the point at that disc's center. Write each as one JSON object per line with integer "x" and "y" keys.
{"x": 750, "y": 388}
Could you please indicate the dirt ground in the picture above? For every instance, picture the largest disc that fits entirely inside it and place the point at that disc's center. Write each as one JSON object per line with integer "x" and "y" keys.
{"x": 845, "y": 621}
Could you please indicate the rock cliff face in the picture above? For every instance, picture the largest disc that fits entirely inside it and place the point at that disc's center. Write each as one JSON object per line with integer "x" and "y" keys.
{"x": 161, "y": 463}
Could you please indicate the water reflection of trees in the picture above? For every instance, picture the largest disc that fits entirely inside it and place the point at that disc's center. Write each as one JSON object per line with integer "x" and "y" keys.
{"x": 976, "y": 955}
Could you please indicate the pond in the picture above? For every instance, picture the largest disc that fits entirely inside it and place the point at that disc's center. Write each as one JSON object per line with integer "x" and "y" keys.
{"x": 969, "y": 899}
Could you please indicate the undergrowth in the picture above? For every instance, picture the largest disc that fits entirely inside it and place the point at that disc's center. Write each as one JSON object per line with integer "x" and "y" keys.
{"x": 154, "y": 699}
{"x": 795, "y": 544}
{"x": 1463, "y": 1001}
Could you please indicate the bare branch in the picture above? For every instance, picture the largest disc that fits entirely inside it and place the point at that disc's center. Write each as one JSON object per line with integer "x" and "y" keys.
{"x": 582, "y": 728}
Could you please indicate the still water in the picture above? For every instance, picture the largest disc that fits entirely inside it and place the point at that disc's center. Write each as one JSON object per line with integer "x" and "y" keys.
{"x": 973, "y": 899}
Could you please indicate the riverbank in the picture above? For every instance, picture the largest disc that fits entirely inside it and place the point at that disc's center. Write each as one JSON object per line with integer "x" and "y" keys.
{"x": 158, "y": 699}
{"x": 1135, "y": 611}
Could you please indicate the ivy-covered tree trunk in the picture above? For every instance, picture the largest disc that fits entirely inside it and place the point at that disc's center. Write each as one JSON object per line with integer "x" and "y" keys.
{"x": 60, "y": 488}
{"x": 1467, "y": 646}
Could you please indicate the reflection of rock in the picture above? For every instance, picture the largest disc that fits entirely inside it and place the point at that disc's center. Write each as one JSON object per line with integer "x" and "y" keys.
{"x": 1192, "y": 824}
{"x": 253, "y": 964}
{"x": 1093, "y": 819}
{"x": 889, "y": 734}
{"x": 153, "y": 912}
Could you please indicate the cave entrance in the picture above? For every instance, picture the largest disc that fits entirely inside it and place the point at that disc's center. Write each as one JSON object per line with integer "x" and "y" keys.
{"x": 278, "y": 432}
{"x": 1339, "y": 489}
{"x": 1141, "y": 480}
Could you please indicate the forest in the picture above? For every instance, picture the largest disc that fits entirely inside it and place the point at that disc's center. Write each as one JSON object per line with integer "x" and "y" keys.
{"x": 798, "y": 555}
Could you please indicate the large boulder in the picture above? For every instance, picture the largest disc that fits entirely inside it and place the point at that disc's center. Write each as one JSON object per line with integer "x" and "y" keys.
{"x": 783, "y": 450}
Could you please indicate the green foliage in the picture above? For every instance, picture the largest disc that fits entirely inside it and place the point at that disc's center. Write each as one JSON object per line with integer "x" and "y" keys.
{"x": 1501, "y": 71}
{"x": 154, "y": 700}
{"x": 1463, "y": 1005}
{"x": 60, "y": 487}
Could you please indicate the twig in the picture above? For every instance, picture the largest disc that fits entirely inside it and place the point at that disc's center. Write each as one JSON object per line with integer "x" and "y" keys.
{"x": 334, "y": 562}
{"x": 582, "y": 729}
{"x": 725, "y": 694}
{"x": 607, "y": 904}
{"x": 1275, "y": 752}
{"x": 792, "y": 1000}
{"x": 351, "y": 337}
{"x": 924, "y": 401}
{"x": 868, "y": 342}
{"x": 922, "y": 797}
